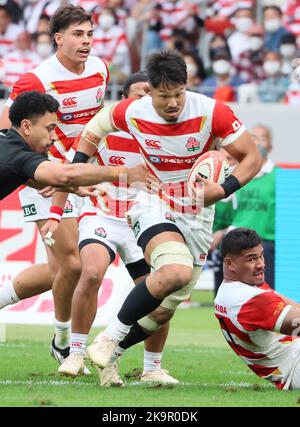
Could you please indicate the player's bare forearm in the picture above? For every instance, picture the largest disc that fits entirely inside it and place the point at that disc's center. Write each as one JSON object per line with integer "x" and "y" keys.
{"x": 245, "y": 151}
{"x": 75, "y": 175}
{"x": 81, "y": 174}
{"x": 59, "y": 199}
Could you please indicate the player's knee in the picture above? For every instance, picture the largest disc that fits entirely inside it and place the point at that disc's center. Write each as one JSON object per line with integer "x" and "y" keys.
{"x": 174, "y": 264}
{"x": 91, "y": 279}
{"x": 175, "y": 277}
{"x": 72, "y": 265}
{"x": 162, "y": 315}
{"x": 153, "y": 321}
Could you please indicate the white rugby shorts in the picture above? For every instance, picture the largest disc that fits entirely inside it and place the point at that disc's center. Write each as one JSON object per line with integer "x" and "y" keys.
{"x": 114, "y": 233}
{"x": 195, "y": 229}
{"x": 36, "y": 207}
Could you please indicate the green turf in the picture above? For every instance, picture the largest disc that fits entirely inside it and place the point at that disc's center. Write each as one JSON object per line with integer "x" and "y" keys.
{"x": 210, "y": 373}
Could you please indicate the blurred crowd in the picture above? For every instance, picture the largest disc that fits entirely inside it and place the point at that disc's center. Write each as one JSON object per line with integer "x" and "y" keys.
{"x": 235, "y": 50}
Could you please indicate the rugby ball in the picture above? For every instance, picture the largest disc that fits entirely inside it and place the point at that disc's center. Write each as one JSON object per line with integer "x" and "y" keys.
{"x": 211, "y": 166}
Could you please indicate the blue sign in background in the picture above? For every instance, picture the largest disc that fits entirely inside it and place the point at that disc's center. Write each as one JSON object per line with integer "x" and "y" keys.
{"x": 287, "y": 236}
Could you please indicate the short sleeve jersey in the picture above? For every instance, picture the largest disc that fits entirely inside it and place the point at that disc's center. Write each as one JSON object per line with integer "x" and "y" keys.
{"x": 18, "y": 162}
{"x": 171, "y": 149}
{"x": 80, "y": 96}
{"x": 250, "y": 318}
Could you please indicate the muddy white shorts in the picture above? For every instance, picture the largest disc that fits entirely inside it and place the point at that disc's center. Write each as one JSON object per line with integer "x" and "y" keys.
{"x": 195, "y": 229}
{"x": 36, "y": 207}
{"x": 114, "y": 233}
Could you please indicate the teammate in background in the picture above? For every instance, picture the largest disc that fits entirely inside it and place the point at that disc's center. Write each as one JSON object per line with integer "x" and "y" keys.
{"x": 103, "y": 231}
{"x": 78, "y": 81}
{"x": 173, "y": 128}
{"x": 261, "y": 326}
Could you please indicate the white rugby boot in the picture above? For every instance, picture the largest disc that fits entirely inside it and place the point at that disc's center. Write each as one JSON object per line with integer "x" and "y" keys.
{"x": 60, "y": 355}
{"x": 101, "y": 350}
{"x": 161, "y": 376}
{"x": 72, "y": 366}
{"x": 109, "y": 376}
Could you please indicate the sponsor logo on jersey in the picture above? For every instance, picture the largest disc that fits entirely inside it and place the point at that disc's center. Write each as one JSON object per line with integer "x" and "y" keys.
{"x": 67, "y": 117}
{"x": 71, "y": 116}
{"x": 155, "y": 159}
{"x": 193, "y": 144}
{"x": 117, "y": 161}
{"x": 175, "y": 160}
{"x": 169, "y": 217}
{"x": 100, "y": 96}
{"x": 29, "y": 210}
{"x": 69, "y": 102}
{"x": 68, "y": 207}
{"x": 220, "y": 308}
{"x": 136, "y": 228}
{"x": 152, "y": 144}
{"x": 100, "y": 232}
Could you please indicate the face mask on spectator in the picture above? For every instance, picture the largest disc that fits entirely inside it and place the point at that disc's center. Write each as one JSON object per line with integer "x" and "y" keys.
{"x": 271, "y": 67}
{"x": 287, "y": 50}
{"x": 286, "y": 68}
{"x": 44, "y": 49}
{"x": 221, "y": 67}
{"x": 243, "y": 24}
{"x": 191, "y": 70}
{"x": 256, "y": 43}
{"x": 272, "y": 25}
{"x": 106, "y": 21}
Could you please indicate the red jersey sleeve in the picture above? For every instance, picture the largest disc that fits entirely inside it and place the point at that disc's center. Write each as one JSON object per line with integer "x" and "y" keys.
{"x": 107, "y": 71}
{"x": 26, "y": 83}
{"x": 224, "y": 122}
{"x": 261, "y": 311}
{"x": 119, "y": 114}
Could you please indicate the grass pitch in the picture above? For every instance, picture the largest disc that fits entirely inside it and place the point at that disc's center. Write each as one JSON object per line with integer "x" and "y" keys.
{"x": 196, "y": 353}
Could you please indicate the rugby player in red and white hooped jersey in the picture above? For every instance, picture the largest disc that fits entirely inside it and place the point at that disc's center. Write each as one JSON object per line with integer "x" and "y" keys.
{"x": 174, "y": 236}
{"x": 78, "y": 81}
{"x": 260, "y": 325}
{"x": 103, "y": 231}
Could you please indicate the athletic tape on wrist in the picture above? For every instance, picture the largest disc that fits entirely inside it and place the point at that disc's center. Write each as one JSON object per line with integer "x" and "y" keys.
{"x": 49, "y": 241}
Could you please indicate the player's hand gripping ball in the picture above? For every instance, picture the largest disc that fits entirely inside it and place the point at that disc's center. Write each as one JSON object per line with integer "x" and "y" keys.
{"x": 211, "y": 166}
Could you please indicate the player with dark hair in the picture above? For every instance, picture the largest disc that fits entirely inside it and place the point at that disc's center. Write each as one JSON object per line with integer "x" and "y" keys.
{"x": 260, "y": 325}
{"x": 173, "y": 128}
{"x": 78, "y": 81}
